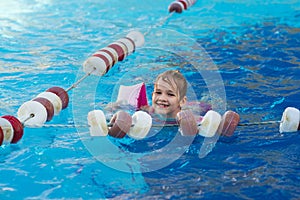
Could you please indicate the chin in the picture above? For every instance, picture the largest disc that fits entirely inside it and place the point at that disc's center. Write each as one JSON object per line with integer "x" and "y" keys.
{"x": 161, "y": 112}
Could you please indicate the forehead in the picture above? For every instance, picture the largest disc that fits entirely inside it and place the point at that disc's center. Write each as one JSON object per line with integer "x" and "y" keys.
{"x": 164, "y": 85}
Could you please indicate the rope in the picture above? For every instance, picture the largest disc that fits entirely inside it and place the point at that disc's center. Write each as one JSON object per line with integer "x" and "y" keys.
{"x": 29, "y": 117}
{"x": 87, "y": 126}
{"x": 259, "y": 123}
{"x": 160, "y": 23}
{"x": 154, "y": 125}
{"x": 74, "y": 85}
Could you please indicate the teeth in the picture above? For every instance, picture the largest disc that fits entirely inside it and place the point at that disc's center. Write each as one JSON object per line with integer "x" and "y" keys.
{"x": 290, "y": 120}
{"x": 54, "y": 99}
{"x": 142, "y": 123}
{"x": 187, "y": 122}
{"x": 229, "y": 123}
{"x": 97, "y": 123}
{"x": 7, "y": 130}
{"x": 162, "y": 105}
{"x": 34, "y": 108}
{"x": 210, "y": 124}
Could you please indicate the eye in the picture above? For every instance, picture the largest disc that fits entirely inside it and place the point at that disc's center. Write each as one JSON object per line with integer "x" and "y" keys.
{"x": 171, "y": 94}
{"x": 157, "y": 92}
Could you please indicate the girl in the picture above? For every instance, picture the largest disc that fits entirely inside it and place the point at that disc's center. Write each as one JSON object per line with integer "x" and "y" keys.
{"x": 168, "y": 98}
{"x": 169, "y": 94}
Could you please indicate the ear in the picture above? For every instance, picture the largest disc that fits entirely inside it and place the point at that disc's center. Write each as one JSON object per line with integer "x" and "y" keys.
{"x": 183, "y": 101}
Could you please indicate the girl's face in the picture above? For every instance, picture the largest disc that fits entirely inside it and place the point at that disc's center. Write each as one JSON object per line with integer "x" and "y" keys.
{"x": 165, "y": 99}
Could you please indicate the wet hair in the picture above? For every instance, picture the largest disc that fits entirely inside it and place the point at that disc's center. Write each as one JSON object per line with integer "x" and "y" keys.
{"x": 176, "y": 80}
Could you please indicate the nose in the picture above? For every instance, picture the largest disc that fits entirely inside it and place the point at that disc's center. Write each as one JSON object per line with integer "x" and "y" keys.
{"x": 162, "y": 97}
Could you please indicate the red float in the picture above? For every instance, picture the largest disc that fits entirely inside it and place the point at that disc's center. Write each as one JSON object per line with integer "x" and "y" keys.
{"x": 112, "y": 53}
{"x": 185, "y": 4}
{"x": 105, "y": 59}
{"x": 176, "y": 7}
{"x": 132, "y": 42}
{"x": 120, "y": 49}
{"x": 63, "y": 95}
{"x": 180, "y": 5}
{"x": 121, "y": 123}
{"x": 187, "y": 123}
{"x": 1, "y": 136}
{"x": 17, "y": 126}
{"x": 228, "y": 123}
{"x": 48, "y": 105}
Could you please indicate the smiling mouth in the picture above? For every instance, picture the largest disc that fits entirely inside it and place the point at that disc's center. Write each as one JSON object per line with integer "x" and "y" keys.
{"x": 162, "y": 105}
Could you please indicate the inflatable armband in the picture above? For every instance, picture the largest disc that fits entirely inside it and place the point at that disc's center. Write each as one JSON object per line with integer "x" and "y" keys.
{"x": 134, "y": 95}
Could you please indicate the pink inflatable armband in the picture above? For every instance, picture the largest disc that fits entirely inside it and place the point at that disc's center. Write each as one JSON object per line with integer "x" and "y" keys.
{"x": 134, "y": 95}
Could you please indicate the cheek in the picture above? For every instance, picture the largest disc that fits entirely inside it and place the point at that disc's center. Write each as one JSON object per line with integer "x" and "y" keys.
{"x": 153, "y": 97}
{"x": 176, "y": 102}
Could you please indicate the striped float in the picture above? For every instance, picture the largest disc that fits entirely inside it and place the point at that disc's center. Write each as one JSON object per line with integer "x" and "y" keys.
{"x": 180, "y": 5}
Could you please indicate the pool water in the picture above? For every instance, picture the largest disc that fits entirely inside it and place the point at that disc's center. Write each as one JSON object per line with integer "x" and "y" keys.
{"x": 238, "y": 56}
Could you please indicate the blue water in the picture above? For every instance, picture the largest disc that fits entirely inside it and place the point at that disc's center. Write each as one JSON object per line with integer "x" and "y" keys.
{"x": 247, "y": 60}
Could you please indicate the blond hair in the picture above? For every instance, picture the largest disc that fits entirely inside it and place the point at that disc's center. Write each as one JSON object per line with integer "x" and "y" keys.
{"x": 176, "y": 80}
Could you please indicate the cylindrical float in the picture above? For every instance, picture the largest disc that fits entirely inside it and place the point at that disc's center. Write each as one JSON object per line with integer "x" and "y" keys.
{"x": 187, "y": 123}
{"x": 42, "y": 108}
{"x": 290, "y": 121}
{"x": 62, "y": 94}
{"x": 97, "y": 123}
{"x": 54, "y": 99}
{"x": 18, "y": 129}
{"x": 121, "y": 123}
{"x": 7, "y": 131}
{"x": 210, "y": 124}
{"x": 228, "y": 124}
{"x": 141, "y": 125}
{"x": 180, "y": 5}
{"x": 104, "y": 59}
